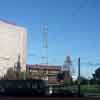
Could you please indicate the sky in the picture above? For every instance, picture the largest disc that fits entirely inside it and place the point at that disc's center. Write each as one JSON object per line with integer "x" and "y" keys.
{"x": 73, "y": 28}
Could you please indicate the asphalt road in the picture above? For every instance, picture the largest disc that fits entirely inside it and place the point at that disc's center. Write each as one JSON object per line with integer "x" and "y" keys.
{"x": 50, "y": 98}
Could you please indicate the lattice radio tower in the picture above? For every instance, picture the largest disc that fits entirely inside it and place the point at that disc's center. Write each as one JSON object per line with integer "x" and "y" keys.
{"x": 45, "y": 44}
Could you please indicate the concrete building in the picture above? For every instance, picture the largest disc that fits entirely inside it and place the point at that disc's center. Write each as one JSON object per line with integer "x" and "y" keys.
{"x": 12, "y": 44}
{"x": 46, "y": 72}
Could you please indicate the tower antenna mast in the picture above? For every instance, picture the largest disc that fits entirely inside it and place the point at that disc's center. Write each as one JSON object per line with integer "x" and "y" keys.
{"x": 45, "y": 44}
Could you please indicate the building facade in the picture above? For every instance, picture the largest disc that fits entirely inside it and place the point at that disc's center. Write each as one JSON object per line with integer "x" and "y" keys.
{"x": 45, "y": 72}
{"x": 12, "y": 44}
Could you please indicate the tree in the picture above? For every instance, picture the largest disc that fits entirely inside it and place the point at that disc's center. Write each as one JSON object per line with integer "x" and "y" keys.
{"x": 11, "y": 74}
{"x": 60, "y": 76}
{"x": 96, "y": 75}
{"x": 67, "y": 83}
{"x": 83, "y": 80}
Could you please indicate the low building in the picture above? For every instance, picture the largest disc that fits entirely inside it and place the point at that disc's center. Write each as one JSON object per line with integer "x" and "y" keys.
{"x": 46, "y": 72}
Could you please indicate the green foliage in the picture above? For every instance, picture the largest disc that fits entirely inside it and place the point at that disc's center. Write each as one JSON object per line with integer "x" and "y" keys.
{"x": 67, "y": 83}
{"x": 96, "y": 75}
{"x": 22, "y": 75}
{"x": 90, "y": 88}
{"x": 12, "y": 75}
{"x": 83, "y": 80}
{"x": 60, "y": 76}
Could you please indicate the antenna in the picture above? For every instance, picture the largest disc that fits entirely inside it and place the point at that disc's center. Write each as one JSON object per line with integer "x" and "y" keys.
{"x": 45, "y": 44}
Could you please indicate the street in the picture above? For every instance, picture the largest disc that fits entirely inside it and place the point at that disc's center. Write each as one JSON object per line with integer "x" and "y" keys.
{"x": 50, "y": 98}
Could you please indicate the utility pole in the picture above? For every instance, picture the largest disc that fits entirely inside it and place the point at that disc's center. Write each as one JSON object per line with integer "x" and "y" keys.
{"x": 79, "y": 77}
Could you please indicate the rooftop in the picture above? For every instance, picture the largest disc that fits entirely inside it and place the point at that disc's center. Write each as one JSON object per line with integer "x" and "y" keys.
{"x": 40, "y": 66}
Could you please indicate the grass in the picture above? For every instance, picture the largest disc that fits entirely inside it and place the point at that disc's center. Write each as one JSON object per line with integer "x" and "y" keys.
{"x": 90, "y": 88}
{"x": 86, "y": 89}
